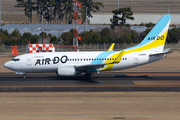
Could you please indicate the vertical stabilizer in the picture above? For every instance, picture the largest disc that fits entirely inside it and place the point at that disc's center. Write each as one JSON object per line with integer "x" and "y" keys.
{"x": 156, "y": 38}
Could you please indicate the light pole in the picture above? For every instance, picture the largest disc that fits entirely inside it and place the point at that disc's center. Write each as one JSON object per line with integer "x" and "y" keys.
{"x": 86, "y": 18}
{"x": 0, "y": 13}
{"x": 118, "y": 4}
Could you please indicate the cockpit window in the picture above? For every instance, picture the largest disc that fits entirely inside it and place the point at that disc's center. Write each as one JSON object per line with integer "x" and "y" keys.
{"x": 15, "y": 59}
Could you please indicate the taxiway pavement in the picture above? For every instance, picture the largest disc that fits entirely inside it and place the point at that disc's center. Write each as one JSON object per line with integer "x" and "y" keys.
{"x": 112, "y": 81}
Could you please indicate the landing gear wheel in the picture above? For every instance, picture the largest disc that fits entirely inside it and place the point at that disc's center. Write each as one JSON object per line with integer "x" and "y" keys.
{"x": 24, "y": 76}
{"x": 88, "y": 75}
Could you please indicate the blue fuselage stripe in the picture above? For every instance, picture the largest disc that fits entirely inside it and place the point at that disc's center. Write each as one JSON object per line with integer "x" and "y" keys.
{"x": 102, "y": 55}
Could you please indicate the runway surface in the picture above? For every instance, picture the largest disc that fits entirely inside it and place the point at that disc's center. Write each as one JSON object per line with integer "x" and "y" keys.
{"x": 99, "y": 82}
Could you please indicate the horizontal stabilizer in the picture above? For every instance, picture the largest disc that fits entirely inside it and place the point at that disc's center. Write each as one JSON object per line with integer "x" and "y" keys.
{"x": 165, "y": 51}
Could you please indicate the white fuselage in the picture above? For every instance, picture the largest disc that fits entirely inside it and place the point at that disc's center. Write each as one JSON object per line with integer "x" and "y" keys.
{"x": 50, "y": 62}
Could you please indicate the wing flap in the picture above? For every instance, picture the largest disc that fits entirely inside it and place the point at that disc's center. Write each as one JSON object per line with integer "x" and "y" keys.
{"x": 90, "y": 67}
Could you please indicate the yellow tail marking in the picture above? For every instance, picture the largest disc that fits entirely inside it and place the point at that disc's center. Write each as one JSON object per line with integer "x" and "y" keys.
{"x": 153, "y": 44}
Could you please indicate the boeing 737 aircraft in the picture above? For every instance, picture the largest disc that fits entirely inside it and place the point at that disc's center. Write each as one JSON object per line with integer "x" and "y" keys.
{"x": 73, "y": 63}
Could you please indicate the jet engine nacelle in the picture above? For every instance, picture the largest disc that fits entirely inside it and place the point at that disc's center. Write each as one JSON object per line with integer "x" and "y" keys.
{"x": 67, "y": 71}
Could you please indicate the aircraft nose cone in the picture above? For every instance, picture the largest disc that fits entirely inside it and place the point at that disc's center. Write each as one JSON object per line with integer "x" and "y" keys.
{"x": 7, "y": 65}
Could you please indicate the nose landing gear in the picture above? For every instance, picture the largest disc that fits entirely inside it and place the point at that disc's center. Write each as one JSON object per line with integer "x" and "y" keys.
{"x": 24, "y": 76}
{"x": 22, "y": 73}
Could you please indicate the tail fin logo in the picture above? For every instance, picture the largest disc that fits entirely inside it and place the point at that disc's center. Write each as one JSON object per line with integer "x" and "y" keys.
{"x": 156, "y": 38}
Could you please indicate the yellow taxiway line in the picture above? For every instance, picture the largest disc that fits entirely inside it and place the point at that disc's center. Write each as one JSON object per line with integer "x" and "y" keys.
{"x": 156, "y": 82}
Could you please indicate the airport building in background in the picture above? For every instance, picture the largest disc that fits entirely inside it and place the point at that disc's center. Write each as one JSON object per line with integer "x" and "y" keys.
{"x": 96, "y": 23}
{"x": 138, "y": 18}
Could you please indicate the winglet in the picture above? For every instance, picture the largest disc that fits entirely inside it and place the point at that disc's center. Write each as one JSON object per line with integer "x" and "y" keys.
{"x": 118, "y": 59}
{"x": 111, "y": 47}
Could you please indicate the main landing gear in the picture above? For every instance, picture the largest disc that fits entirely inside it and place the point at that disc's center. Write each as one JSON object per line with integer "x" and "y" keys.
{"x": 88, "y": 75}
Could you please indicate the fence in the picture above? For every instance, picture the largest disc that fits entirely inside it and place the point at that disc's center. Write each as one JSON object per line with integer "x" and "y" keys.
{"x": 87, "y": 47}
{"x": 104, "y": 47}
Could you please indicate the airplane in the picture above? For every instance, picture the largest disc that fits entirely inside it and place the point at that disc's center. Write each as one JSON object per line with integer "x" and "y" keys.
{"x": 74, "y": 63}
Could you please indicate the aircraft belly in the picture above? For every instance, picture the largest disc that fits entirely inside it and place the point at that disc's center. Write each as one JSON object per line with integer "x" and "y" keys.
{"x": 45, "y": 69}
{"x": 127, "y": 61}
{"x": 123, "y": 65}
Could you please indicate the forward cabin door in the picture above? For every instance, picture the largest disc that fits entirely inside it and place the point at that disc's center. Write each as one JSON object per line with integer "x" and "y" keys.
{"x": 29, "y": 60}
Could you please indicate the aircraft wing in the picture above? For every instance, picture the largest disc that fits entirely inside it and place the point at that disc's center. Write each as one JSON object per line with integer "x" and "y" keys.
{"x": 100, "y": 65}
{"x": 165, "y": 51}
{"x": 90, "y": 67}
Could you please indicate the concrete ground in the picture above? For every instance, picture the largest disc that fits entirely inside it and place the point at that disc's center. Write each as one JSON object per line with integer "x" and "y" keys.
{"x": 90, "y": 106}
